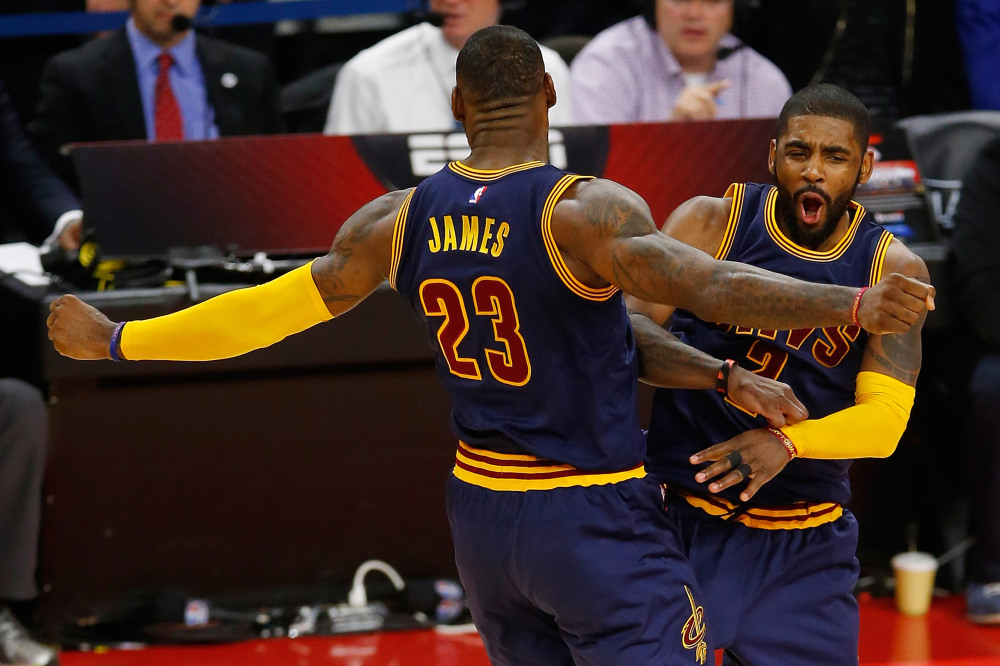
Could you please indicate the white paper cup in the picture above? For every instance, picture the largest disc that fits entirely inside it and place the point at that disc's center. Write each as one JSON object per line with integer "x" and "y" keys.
{"x": 914, "y": 574}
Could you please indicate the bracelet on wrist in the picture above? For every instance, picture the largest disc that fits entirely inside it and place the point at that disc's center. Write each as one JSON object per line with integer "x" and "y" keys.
{"x": 787, "y": 443}
{"x": 857, "y": 304}
{"x": 722, "y": 381}
{"x": 116, "y": 337}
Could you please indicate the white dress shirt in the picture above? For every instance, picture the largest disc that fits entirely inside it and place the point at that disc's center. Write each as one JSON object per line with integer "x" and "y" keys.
{"x": 403, "y": 84}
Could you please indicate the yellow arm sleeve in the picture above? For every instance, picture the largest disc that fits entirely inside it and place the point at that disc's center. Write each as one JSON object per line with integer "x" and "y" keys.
{"x": 869, "y": 429}
{"x": 230, "y": 324}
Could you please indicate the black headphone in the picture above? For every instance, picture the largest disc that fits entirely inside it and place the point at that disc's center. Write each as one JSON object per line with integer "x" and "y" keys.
{"x": 743, "y": 11}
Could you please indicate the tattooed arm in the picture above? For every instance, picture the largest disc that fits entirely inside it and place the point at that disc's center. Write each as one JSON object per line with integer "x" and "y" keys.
{"x": 870, "y": 428}
{"x": 242, "y": 320}
{"x": 667, "y": 362}
{"x": 898, "y": 355}
{"x": 699, "y": 222}
{"x": 606, "y": 235}
{"x": 358, "y": 260}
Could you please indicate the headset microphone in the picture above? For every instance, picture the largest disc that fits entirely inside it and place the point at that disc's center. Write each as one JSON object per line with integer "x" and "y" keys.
{"x": 181, "y": 23}
{"x": 727, "y": 51}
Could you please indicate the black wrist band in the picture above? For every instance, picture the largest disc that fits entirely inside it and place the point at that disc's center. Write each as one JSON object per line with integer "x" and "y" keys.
{"x": 722, "y": 383}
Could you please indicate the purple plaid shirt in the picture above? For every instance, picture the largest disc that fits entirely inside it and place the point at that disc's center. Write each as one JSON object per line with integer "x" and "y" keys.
{"x": 626, "y": 74}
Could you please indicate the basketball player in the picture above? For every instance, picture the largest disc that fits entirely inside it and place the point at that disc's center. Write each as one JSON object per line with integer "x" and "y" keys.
{"x": 560, "y": 537}
{"x": 776, "y": 562}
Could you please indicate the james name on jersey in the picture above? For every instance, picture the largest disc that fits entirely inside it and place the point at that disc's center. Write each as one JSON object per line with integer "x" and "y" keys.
{"x": 447, "y": 236}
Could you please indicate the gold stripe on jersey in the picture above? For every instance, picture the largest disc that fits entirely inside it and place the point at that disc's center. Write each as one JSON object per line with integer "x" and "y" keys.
{"x": 797, "y": 516}
{"x": 489, "y": 175}
{"x": 771, "y": 223}
{"x": 397, "y": 238}
{"x": 736, "y": 191}
{"x": 879, "y": 259}
{"x": 520, "y": 473}
{"x": 567, "y": 277}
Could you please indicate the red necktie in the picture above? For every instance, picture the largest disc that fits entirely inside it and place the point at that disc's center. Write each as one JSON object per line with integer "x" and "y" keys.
{"x": 166, "y": 114}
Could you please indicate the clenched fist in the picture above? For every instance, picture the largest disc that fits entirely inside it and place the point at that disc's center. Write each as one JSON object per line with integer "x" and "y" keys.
{"x": 894, "y": 304}
{"x": 78, "y": 330}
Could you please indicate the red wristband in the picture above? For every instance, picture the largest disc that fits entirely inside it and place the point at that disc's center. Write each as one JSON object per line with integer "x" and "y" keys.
{"x": 785, "y": 442}
{"x": 857, "y": 304}
{"x": 722, "y": 382}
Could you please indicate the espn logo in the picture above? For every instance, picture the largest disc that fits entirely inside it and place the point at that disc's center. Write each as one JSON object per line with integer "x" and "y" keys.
{"x": 429, "y": 153}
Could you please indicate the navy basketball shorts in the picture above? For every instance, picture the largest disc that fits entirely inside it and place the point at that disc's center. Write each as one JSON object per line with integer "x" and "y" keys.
{"x": 781, "y": 596}
{"x": 577, "y": 575}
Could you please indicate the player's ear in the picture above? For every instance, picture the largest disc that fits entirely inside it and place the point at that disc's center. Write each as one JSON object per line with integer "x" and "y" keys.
{"x": 457, "y": 105}
{"x": 550, "y": 91}
{"x": 771, "y": 156}
{"x": 867, "y": 166}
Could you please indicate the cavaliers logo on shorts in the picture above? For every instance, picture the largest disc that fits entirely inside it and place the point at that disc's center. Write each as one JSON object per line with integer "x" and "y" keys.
{"x": 693, "y": 633}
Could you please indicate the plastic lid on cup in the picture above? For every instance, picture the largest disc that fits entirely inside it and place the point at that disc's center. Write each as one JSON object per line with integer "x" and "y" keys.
{"x": 915, "y": 561}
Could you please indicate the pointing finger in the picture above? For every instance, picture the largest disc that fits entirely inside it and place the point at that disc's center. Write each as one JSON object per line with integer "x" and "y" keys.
{"x": 718, "y": 86}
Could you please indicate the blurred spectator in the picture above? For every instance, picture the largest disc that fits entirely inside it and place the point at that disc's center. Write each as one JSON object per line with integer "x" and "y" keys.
{"x": 978, "y": 25}
{"x": 23, "y": 432}
{"x": 257, "y": 36}
{"x": 153, "y": 79}
{"x": 676, "y": 61}
{"x": 30, "y": 186}
{"x": 37, "y": 206}
{"x": 107, "y": 5}
{"x": 976, "y": 247}
{"x": 404, "y": 82}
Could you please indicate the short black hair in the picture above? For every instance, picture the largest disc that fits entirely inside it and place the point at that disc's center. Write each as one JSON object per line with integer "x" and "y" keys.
{"x": 829, "y": 101}
{"x": 500, "y": 63}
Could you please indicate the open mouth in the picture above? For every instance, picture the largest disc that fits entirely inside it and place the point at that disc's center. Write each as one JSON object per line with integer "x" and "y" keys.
{"x": 811, "y": 207}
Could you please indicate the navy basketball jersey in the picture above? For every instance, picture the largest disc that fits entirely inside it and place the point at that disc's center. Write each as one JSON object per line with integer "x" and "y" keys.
{"x": 821, "y": 365}
{"x": 535, "y": 362}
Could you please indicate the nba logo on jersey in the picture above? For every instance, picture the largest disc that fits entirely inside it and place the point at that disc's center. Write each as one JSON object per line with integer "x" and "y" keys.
{"x": 475, "y": 195}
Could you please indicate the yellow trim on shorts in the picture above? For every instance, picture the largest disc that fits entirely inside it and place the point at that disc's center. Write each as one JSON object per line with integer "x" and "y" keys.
{"x": 797, "y": 516}
{"x": 520, "y": 473}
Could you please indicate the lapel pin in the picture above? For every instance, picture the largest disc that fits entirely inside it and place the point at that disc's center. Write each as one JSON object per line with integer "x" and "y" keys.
{"x": 229, "y": 80}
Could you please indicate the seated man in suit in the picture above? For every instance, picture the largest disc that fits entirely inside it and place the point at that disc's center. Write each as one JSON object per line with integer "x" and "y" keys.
{"x": 34, "y": 205}
{"x": 35, "y": 202}
{"x": 154, "y": 79}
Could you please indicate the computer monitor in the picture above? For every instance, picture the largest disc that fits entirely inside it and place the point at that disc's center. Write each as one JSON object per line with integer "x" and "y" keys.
{"x": 281, "y": 194}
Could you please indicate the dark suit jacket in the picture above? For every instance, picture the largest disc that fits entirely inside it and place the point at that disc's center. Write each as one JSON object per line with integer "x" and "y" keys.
{"x": 31, "y": 197}
{"x": 975, "y": 246}
{"x": 92, "y": 94}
